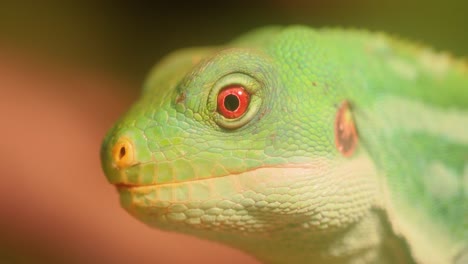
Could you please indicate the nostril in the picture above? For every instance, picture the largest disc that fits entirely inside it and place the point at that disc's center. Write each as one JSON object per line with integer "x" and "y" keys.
{"x": 122, "y": 153}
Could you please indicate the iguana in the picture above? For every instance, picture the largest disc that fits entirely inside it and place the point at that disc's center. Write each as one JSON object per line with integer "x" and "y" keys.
{"x": 299, "y": 145}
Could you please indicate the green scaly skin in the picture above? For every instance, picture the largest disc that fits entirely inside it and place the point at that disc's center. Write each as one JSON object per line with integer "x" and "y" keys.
{"x": 273, "y": 182}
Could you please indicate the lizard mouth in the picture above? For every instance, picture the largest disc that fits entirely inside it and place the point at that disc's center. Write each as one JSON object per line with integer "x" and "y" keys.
{"x": 122, "y": 186}
{"x": 204, "y": 189}
{"x": 127, "y": 186}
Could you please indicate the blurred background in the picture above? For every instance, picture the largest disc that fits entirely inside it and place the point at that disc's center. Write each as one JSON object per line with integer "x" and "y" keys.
{"x": 68, "y": 69}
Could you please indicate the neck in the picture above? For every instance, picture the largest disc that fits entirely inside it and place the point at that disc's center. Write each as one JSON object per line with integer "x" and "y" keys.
{"x": 361, "y": 242}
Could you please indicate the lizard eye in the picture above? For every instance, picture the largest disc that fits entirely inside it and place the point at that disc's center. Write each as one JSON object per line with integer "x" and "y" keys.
{"x": 233, "y": 101}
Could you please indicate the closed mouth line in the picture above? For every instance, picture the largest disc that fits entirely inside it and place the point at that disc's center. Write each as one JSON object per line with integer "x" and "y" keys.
{"x": 127, "y": 186}
{"x": 134, "y": 185}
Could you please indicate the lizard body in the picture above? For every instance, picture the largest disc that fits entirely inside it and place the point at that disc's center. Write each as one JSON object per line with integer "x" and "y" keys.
{"x": 302, "y": 146}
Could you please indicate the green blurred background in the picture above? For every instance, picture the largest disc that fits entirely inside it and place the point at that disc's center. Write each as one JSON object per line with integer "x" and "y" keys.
{"x": 127, "y": 37}
{"x": 68, "y": 69}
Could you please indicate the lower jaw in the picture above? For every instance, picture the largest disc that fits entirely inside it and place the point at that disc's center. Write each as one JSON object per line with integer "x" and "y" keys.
{"x": 222, "y": 204}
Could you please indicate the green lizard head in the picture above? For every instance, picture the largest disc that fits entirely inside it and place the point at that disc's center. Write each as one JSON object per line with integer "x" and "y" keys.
{"x": 239, "y": 139}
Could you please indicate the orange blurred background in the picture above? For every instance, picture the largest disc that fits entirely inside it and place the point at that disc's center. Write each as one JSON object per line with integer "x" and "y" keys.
{"x": 68, "y": 70}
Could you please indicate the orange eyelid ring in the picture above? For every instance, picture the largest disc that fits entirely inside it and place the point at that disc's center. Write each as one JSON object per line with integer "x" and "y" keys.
{"x": 123, "y": 154}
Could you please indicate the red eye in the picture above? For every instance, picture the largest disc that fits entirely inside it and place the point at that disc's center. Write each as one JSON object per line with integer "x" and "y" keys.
{"x": 233, "y": 101}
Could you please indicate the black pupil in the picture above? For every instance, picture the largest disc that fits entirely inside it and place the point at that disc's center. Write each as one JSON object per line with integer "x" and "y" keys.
{"x": 231, "y": 102}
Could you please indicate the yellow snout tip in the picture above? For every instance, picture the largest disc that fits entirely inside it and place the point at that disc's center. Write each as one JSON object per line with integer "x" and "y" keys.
{"x": 123, "y": 155}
